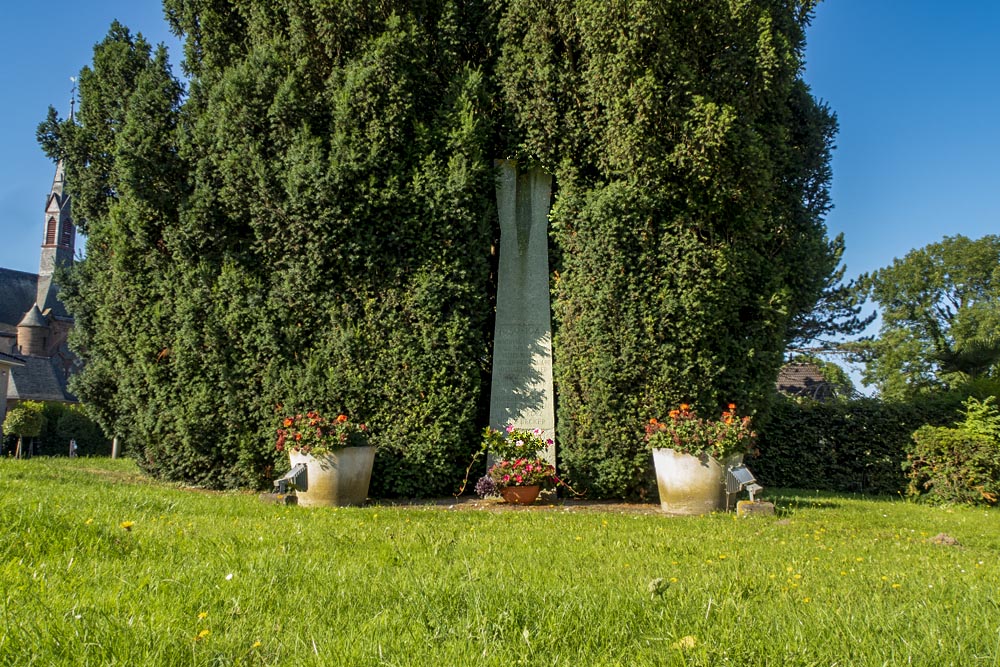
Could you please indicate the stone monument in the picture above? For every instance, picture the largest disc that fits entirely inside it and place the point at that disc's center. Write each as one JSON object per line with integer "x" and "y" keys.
{"x": 522, "y": 393}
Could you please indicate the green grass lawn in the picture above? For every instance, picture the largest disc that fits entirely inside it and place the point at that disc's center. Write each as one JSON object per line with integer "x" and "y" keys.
{"x": 100, "y": 566}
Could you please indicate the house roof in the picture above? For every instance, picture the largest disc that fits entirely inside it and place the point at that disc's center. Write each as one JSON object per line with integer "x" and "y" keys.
{"x": 803, "y": 379}
{"x": 40, "y": 379}
{"x": 10, "y": 360}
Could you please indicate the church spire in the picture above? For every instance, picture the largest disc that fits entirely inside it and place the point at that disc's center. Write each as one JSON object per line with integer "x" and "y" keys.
{"x": 59, "y": 240}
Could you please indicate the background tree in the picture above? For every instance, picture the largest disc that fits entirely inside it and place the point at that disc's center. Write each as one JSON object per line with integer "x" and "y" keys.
{"x": 24, "y": 420}
{"x": 692, "y": 167}
{"x": 835, "y": 317}
{"x": 940, "y": 311}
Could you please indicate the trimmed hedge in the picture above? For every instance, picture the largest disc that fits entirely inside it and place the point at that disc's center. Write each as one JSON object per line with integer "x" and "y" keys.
{"x": 851, "y": 446}
{"x": 61, "y": 423}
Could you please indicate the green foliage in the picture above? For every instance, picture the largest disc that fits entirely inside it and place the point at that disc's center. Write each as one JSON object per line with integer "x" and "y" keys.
{"x": 65, "y": 422}
{"x": 836, "y": 315}
{"x": 692, "y": 167}
{"x": 314, "y": 434}
{"x": 686, "y": 432}
{"x": 958, "y": 465}
{"x": 310, "y": 223}
{"x": 26, "y": 419}
{"x": 514, "y": 443}
{"x": 939, "y": 317}
{"x": 855, "y": 445}
{"x": 309, "y": 227}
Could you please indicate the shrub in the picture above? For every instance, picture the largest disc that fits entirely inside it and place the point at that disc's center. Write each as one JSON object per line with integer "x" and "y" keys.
{"x": 961, "y": 464}
{"x": 850, "y": 446}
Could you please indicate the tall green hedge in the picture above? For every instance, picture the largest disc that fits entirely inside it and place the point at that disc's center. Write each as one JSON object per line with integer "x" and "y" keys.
{"x": 692, "y": 167}
{"x": 309, "y": 228}
{"x": 309, "y": 223}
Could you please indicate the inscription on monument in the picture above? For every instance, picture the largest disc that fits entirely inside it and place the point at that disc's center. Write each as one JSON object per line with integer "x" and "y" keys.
{"x": 522, "y": 392}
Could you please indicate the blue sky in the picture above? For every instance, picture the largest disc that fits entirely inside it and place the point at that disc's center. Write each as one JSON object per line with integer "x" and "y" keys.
{"x": 915, "y": 85}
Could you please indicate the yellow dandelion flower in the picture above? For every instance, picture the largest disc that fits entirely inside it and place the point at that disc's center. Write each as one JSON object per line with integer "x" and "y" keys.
{"x": 797, "y": 576}
{"x": 806, "y": 600}
{"x": 256, "y": 645}
{"x": 202, "y": 615}
{"x": 127, "y": 525}
{"x": 89, "y": 521}
{"x": 204, "y": 633}
{"x": 685, "y": 643}
{"x": 896, "y": 585}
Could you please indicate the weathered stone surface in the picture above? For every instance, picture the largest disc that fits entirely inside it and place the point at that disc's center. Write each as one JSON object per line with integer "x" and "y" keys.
{"x": 754, "y": 508}
{"x": 522, "y": 392}
{"x": 278, "y": 498}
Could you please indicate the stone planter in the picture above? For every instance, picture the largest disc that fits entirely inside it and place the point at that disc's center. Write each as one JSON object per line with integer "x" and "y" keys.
{"x": 337, "y": 478}
{"x": 691, "y": 485}
{"x": 520, "y": 495}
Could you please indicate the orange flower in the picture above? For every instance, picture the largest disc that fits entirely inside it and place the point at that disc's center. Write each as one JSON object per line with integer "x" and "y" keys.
{"x": 288, "y": 422}
{"x": 685, "y": 407}
{"x": 341, "y": 419}
{"x": 674, "y": 414}
{"x": 732, "y": 406}
{"x": 653, "y": 421}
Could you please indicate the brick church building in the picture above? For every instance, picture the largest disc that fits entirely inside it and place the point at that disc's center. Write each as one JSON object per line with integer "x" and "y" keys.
{"x": 35, "y": 362}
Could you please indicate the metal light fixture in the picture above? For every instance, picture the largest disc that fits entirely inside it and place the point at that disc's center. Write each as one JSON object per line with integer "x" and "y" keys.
{"x": 296, "y": 478}
{"x": 739, "y": 478}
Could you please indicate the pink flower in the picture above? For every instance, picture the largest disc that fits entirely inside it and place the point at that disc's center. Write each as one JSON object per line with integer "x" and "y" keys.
{"x": 537, "y": 431}
{"x": 510, "y": 428}
{"x": 519, "y": 443}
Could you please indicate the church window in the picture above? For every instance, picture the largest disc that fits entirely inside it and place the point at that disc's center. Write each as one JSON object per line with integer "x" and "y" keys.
{"x": 67, "y": 235}
{"x": 50, "y": 232}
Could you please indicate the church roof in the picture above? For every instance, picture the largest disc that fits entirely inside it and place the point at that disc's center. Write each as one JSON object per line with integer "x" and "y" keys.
{"x": 33, "y": 318}
{"x": 40, "y": 379}
{"x": 17, "y": 295}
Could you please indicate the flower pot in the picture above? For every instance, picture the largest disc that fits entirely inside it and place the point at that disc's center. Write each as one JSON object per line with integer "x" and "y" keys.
{"x": 691, "y": 484}
{"x": 337, "y": 478}
{"x": 520, "y": 495}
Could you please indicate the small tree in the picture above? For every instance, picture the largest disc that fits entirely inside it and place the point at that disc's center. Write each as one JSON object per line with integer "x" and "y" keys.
{"x": 24, "y": 420}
